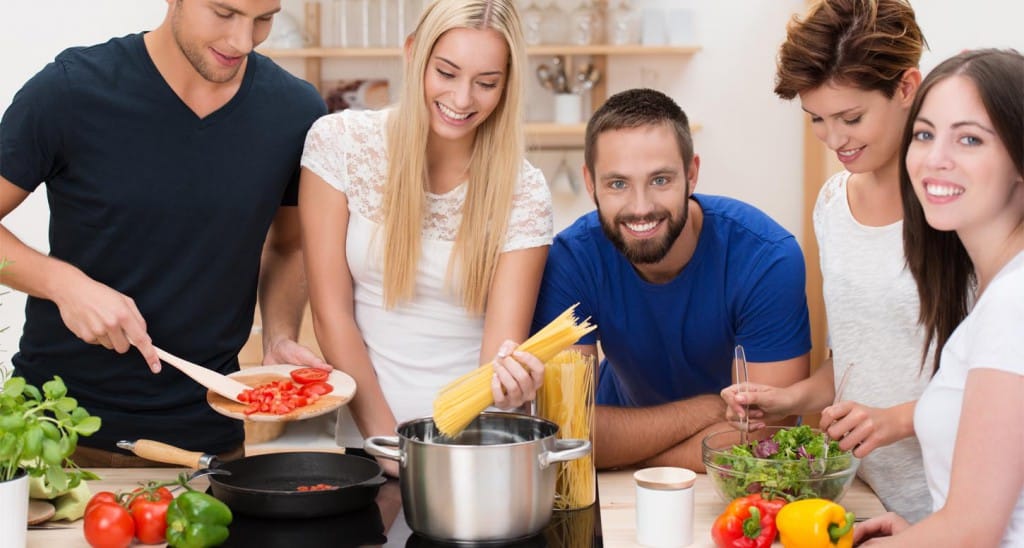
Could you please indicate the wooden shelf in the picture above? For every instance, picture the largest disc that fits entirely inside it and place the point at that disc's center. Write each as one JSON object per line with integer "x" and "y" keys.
{"x": 551, "y": 136}
{"x": 538, "y": 135}
{"x": 567, "y": 49}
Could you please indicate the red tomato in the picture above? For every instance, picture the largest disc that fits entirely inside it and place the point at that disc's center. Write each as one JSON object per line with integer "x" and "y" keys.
{"x": 318, "y": 388}
{"x": 149, "y": 512}
{"x": 101, "y": 497}
{"x": 108, "y": 525}
{"x": 307, "y": 375}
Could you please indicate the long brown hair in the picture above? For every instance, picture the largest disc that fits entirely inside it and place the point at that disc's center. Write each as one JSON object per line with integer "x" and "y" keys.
{"x": 494, "y": 167}
{"x": 938, "y": 260}
{"x": 867, "y": 44}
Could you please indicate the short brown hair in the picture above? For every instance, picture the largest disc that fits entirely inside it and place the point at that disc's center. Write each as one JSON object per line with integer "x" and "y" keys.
{"x": 867, "y": 44}
{"x": 637, "y": 108}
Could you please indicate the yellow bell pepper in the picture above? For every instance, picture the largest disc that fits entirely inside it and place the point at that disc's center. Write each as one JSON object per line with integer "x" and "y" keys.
{"x": 815, "y": 523}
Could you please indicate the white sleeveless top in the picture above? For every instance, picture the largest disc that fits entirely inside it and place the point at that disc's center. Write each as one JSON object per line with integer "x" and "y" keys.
{"x": 871, "y": 304}
{"x": 418, "y": 346}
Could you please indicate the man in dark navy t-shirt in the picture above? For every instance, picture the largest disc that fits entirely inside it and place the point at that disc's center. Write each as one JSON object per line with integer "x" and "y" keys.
{"x": 673, "y": 280}
{"x": 167, "y": 157}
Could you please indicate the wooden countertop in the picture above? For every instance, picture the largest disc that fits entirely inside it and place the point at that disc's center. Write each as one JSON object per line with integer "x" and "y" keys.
{"x": 616, "y": 492}
{"x": 618, "y": 509}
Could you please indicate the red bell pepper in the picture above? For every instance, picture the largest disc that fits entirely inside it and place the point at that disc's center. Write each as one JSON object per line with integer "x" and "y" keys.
{"x": 748, "y": 522}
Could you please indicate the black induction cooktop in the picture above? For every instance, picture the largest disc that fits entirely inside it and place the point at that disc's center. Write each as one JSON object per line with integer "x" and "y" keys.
{"x": 383, "y": 524}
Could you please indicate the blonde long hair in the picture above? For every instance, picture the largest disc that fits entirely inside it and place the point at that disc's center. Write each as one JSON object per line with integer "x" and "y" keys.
{"x": 495, "y": 163}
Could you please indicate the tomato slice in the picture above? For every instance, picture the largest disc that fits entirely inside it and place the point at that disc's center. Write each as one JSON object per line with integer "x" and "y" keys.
{"x": 318, "y": 388}
{"x": 307, "y": 375}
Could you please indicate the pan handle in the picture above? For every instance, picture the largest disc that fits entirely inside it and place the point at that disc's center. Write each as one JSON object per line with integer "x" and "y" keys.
{"x": 162, "y": 452}
{"x": 379, "y": 479}
{"x": 569, "y": 450}
{"x": 373, "y": 445}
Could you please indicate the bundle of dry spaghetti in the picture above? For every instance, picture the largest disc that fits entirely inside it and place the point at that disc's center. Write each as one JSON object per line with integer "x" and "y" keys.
{"x": 575, "y": 529}
{"x": 461, "y": 400}
{"x": 567, "y": 399}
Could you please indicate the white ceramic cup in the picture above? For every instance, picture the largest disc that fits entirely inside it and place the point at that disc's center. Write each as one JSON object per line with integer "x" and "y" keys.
{"x": 664, "y": 506}
{"x": 568, "y": 108}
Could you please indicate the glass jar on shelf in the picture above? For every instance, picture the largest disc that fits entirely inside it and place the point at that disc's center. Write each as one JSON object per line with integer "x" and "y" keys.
{"x": 533, "y": 24}
{"x": 586, "y": 24}
{"x": 623, "y": 26}
{"x": 553, "y": 24}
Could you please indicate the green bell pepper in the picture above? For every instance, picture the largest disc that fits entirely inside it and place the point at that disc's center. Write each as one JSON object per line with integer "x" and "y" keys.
{"x": 197, "y": 520}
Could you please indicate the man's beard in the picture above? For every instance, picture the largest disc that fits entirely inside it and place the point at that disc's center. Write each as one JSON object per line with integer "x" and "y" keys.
{"x": 195, "y": 56}
{"x": 648, "y": 251}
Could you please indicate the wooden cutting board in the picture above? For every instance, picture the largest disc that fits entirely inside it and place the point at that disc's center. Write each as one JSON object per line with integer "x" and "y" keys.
{"x": 344, "y": 388}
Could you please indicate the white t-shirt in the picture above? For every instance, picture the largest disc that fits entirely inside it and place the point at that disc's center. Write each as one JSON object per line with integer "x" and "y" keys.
{"x": 872, "y": 307}
{"x": 990, "y": 337}
{"x": 419, "y": 346}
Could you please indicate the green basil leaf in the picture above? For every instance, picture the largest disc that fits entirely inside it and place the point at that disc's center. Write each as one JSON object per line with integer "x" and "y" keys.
{"x": 14, "y": 387}
{"x": 52, "y": 453}
{"x": 54, "y": 389}
{"x": 50, "y": 430}
{"x": 57, "y": 478}
{"x": 88, "y": 426}
{"x": 33, "y": 441}
{"x": 33, "y": 393}
{"x": 67, "y": 404}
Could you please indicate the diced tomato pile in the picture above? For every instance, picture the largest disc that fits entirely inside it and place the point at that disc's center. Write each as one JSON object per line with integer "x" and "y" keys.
{"x": 316, "y": 487}
{"x": 284, "y": 396}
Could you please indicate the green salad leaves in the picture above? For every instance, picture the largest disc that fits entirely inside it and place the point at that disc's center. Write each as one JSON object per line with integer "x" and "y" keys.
{"x": 784, "y": 466}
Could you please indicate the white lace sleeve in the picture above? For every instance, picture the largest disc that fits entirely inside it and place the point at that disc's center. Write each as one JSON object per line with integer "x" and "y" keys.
{"x": 324, "y": 153}
{"x": 531, "y": 223}
{"x": 348, "y": 150}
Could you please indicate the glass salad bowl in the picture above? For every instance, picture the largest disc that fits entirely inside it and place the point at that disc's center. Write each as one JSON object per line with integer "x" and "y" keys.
{"x": 778, "y": 462}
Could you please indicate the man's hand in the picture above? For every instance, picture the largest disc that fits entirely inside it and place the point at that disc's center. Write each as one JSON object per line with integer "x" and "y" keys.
{"x": 98, "y": 314}
{"x": 766, "y": 404}
{"x": 290, "y": 352}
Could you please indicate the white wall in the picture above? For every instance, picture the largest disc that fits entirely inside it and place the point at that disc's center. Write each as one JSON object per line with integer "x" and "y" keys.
{"x": 750, "y": 143}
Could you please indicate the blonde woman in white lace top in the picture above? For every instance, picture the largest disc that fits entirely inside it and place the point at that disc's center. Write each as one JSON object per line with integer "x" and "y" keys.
{"x": 425, "y": 231}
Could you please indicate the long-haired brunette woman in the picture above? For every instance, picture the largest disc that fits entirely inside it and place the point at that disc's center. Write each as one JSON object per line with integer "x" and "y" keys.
{"x": 962, "y": 181}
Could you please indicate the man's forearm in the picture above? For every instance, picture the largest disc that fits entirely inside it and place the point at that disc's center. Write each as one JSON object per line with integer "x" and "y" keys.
{"x": 282, "y": 295}
{"x": 687, "y": 453}
{"x": 628, "y": 435}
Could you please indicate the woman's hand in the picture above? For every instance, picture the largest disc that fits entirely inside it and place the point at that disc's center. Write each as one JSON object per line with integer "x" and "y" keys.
{"x": 517, "y": 376}
{"x": 389, "y": 466}
{"x": 859, "y": 428}
{"x": 766, "y": 404}
{"x": 885, "y": 525}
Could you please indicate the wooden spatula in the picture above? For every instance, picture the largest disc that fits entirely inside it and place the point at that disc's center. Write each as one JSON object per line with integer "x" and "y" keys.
{"x": 221, "y": 384}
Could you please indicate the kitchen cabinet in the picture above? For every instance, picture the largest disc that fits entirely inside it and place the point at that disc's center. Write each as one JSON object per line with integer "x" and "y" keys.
{"x": 539, "y": 135}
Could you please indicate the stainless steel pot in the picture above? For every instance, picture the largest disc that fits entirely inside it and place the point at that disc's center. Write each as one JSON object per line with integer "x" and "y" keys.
{"x": 493, "y": 483}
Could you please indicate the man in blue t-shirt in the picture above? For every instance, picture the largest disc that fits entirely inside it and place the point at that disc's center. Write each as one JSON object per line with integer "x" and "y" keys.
{"x": 166, "y": 156}
{"x": 673, "y": 281}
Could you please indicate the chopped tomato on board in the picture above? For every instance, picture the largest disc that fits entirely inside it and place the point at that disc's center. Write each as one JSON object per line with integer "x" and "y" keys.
{"x": 316, "y": 388}
{"x": 276, "y": 398}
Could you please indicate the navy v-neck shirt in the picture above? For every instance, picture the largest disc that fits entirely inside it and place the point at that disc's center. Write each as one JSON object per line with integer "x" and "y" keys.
{"x": 164, "y": 206}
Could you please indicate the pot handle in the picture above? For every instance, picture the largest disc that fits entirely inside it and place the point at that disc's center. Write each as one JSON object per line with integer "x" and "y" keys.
{"x": 373, "y": 445}
{"x": 567, "y": 450}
